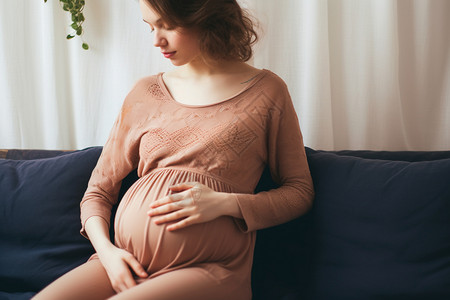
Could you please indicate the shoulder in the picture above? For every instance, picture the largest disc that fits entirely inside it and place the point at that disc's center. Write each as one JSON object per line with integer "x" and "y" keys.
{"x": 137, "y": 102}
{"x": 141, "y": 89}
{"x": 144, "y": 83}
{"x": 274, "y": 88}
{"x": 272, "y": 80}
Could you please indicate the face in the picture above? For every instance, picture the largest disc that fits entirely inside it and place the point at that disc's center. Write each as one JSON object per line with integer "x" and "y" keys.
{"x": 180, "y": 45}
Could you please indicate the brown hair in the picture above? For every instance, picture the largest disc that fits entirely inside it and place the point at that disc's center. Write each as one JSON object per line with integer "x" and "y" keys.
{"x": 226, "y": 30}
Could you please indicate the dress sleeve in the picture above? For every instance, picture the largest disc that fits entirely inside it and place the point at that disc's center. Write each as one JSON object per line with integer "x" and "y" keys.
{"x": 119, "y": 157}
{"x": 289, "y": 168}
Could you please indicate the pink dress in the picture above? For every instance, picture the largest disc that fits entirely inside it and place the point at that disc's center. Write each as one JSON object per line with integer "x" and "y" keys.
{"x": 224, "y": 146}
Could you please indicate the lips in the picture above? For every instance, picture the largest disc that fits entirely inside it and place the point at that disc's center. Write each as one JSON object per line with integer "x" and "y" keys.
{"x": 168, "y": 54}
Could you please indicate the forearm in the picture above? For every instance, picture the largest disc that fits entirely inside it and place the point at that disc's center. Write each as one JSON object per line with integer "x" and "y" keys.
{"x": 98, "y": 233}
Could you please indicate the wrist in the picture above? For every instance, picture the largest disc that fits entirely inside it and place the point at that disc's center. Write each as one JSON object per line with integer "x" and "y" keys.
{"x": 103, "y": 245}
{"x": 230, "y": 205}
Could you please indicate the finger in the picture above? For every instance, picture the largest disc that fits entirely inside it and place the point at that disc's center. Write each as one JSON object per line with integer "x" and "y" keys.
{"x": 172, "y": 207}
{"x": 116, "y": 287}
{"x": 129, "y": 281}
{"x": 120, "y": 288}
{"x": 175, "y": 216}
{"x": 182, "y": 223}
{"x": 166, "y": 200}
{"x": 183, "y": 186}
{"x": 136, "y": 267}
{"x": 124, "y": 281}
{"x": 161, "y": 210}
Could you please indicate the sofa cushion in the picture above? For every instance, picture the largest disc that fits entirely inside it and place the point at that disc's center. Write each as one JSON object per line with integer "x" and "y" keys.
{"x": 382, "y": 228}
{"x": 40, "y": 218}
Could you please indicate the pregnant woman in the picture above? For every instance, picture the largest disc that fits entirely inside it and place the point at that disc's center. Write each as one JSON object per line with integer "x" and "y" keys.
{"x": 199, "y": 137}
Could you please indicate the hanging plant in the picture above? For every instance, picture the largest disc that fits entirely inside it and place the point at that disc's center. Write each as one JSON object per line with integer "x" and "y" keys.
{"x": 75, "y": 7}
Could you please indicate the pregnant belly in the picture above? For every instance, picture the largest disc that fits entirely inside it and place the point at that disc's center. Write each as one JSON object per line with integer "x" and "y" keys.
{"x": 157, "y": 248}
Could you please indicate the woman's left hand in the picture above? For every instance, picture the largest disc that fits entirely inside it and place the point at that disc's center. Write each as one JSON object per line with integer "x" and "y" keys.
{"x": 190, "y": 203}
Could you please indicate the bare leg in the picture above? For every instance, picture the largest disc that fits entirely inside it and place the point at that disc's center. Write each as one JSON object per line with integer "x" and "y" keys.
{"x": 189, "y": 283}
{"x": 88, "y": 282}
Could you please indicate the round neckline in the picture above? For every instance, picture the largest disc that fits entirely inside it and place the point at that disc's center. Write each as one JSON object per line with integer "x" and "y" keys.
{"x": 248, "y": 85}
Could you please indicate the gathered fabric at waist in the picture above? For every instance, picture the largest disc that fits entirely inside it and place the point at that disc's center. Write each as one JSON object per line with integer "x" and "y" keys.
{"x": 176, "y": 175}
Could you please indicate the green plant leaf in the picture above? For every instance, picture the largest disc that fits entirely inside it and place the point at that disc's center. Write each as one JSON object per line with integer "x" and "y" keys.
{"x": 75, "y": 7}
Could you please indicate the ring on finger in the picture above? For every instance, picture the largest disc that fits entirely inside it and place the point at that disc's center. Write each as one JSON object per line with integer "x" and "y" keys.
{"x": 195, "y": 192}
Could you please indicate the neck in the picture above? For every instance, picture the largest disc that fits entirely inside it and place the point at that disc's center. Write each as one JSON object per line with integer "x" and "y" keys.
{"x": 202, "y": 68}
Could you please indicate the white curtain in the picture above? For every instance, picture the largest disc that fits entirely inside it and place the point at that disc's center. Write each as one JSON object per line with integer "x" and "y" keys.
{"x": 363, "y": 74}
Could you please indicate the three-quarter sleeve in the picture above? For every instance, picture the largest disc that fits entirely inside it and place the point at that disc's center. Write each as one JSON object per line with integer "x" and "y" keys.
{"x": 289, "y": 168}
{"x": 119, "y": 157}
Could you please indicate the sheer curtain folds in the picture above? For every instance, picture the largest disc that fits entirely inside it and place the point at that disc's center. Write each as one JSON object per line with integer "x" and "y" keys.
{"x": 363, "y": 74}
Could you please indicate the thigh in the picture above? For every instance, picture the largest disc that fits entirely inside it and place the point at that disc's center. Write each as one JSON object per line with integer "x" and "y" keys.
{"x": 88, "y": 282}
{"x": 188, "y": 283}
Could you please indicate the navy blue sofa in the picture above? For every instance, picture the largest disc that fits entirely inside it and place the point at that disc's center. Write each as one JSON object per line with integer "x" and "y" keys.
{"x": 379, "y": 227}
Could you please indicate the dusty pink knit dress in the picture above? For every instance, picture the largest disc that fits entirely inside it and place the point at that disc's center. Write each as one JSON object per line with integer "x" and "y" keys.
{"x": 224, "y": 146}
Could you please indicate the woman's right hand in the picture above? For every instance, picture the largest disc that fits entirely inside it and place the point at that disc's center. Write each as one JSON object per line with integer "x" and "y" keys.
{"x": 119, "y": 265}
{"x": 117, "y": 262}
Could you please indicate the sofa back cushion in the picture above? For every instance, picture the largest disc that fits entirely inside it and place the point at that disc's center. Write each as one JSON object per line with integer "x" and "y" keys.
{"x": 40, "y": 218}
{"x": 381, "y": 227}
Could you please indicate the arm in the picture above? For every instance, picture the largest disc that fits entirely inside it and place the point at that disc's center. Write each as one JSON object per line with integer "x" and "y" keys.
{"x": 289, "y": 168}
{"x": 119, "y": 157}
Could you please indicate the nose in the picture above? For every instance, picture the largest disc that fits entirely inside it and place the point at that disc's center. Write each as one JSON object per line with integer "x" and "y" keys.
{"x": 159, "y": 40}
